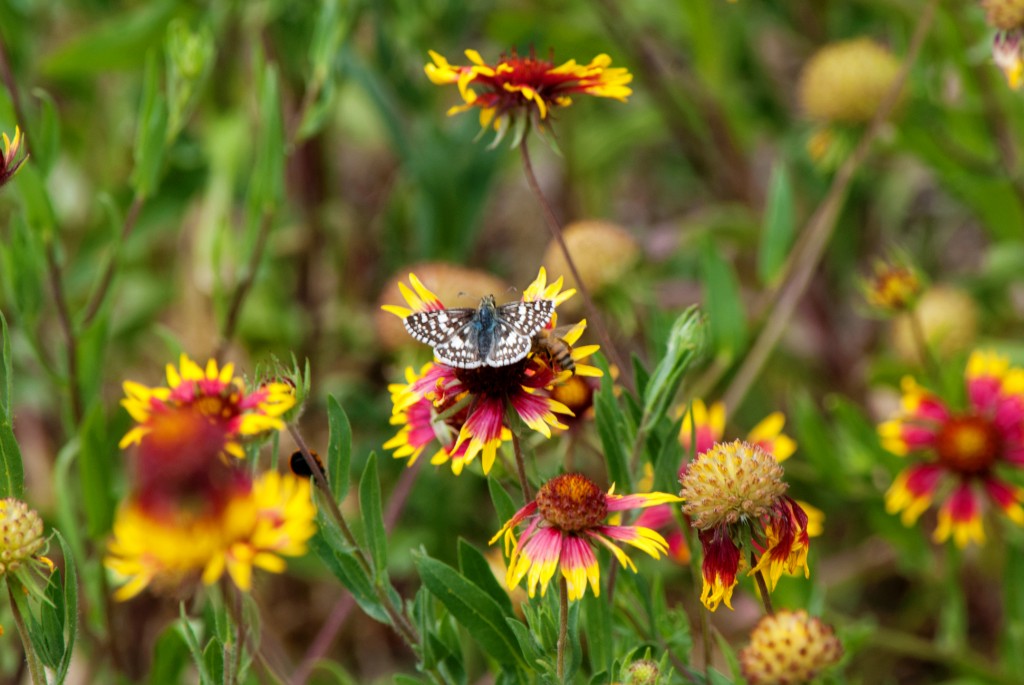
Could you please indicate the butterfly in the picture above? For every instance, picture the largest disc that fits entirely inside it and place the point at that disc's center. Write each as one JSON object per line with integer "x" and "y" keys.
{"x": 491, "y": 335}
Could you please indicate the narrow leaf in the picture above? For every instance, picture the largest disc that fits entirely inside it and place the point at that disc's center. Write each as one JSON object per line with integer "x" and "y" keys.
{"x": 11, "y": 469}
{"x": 482, "y": 617}
{"x": 475, "y": 568}
{"x": 727, "y": 319}
{"x": 503, "y": 504}
{"x": 96, "y": 473}
{"x": 339, "y": 448}
{"x": 777, "y": 231}
{"x": 373, "y": 516}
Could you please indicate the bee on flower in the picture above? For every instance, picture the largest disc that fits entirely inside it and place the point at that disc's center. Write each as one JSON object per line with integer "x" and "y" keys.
{"x": 961, "y": 455}
{"x": 527, "y": 88}
{"x": 486, "y": 368}
{"x": 564, "y": 523}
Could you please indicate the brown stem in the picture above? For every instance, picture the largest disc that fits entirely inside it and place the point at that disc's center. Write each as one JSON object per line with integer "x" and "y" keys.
{"x": 243, "y": 287}
{"x": 563, "y": 625}
{"x": 556, "y": 232}
{"x": 74, "y": 381}
{"x": 819, "y": 230}
{"x": 398, "y": 619}
{"x": 108, "y": 275}
{"x": 524, "y": 483}
{"x": 762, "y": 586}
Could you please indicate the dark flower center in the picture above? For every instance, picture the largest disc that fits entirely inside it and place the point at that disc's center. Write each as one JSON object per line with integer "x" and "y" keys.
{"x": 572, "y": 502}
{"x": 968, "y": 444}
{"x": 491, "y": 381}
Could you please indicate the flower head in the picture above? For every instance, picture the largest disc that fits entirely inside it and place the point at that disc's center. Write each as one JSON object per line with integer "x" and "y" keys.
{"x": 563, "y": 523}
{"x": 789, "y": 647}
{"x": 474, "y": 404}
{"x": 846, "y": 82}
{"x": 961, "y": 451}
{"x": 893, "y": 287}
{"x": 948, "y": 318}
{"x": 22, "y": 543}
{"x": 735, "y": 498}
{"x": 216, "y": 394}
{"x": 525, "y": 86}
{"x": 1008, "y": 54}
{"x": 1004, "y": 15}
{"x": 8, "y": 166}
{"x": 259, "y": 523}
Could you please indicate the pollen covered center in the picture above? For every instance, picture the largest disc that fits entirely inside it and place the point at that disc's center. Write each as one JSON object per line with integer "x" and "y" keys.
{"x": 968, "y": 444}
{"x": 572, "y": 502}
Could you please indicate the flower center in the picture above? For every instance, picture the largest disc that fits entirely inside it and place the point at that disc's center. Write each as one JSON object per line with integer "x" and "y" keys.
{"x": 492, "y": 381}
{"x": 575, "y": 393}
{"x": 572, "y": 502}
{"x": 968, "y": 444}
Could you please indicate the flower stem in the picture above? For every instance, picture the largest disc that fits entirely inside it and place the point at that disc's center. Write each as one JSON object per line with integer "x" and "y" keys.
{"x": 35, "y": 666}
{"x": 818, "y": 230}
{"x": 563, "y": 625}
{"x": 762, "y": 586}
{"x": 556, "y": 232}
{"x": 524, "y": 483}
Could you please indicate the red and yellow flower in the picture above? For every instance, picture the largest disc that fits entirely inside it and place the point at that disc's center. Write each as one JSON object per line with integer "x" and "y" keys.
{"x": 8, "y": 166}
{"x": 216, "y": 394}
{"x": 964, "y": 450}
{"x": 473, "y": 404}
{"x": 563, "y": 523}
{"x": 735, "y": 498}
{"x": 525, "y": 85}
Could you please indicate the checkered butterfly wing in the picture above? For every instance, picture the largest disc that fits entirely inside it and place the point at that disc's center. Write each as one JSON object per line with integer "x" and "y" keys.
{"x": 516, "y": 324}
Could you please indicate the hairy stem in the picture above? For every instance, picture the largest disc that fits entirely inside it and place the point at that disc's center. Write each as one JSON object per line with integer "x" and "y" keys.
{"x": 524, "y": 482}
{"x": 563, "y": 625}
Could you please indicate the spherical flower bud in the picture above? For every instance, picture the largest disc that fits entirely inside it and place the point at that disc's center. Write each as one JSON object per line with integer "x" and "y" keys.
{"x": 603, "y": 253}
{"x": 845, "y": 82}
{"x": 732, "y": 481}
{"x": 789, "y": 648}
{"x": 21, "y": 534}
{"x": 642, "y": 672}
{"x": 948, "y": 318}
{"x": 1004, "y": 14}
{"x": 455, "y": 285}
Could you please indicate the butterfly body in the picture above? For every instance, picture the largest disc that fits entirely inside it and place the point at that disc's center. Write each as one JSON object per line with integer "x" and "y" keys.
{"x": 490, "y": 335}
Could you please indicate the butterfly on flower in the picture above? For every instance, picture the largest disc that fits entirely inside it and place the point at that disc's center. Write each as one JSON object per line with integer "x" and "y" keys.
{"x": 491, "y": 335}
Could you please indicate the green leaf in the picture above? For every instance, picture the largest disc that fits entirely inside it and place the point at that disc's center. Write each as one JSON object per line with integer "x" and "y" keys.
{"x": 726, "y": 317}
{"x": 213, "y": 658}
{"x": 482, "y": 617}
{"x": 597, "y": 626}
{"x": 339, "y": 448}
{"x": 151, "y": 131}
{"x": 190, "y": 56}
{"x": 373, "y": 515}
{"x": 6, "y": 373}
{"x": 54, "y": 634}
{"x": 266, "y": 186}
{"x": 46, "y": 132}
{"x": 35, "y": 199}
{"x": 777, "y": 231}
{"x": 12, "y": 474}
{"x": 684, "y": 346}
{"x": 340, "y": 559}
{"x": 503, "y": 504}
{"x": 475, "y": 568}
{"x": 23, "y": 269}
{"x": 611, "y": 426}
{"x": 169, "y": 657}
{"x": 96, "y": 472}
{"x": 195, "y": 649}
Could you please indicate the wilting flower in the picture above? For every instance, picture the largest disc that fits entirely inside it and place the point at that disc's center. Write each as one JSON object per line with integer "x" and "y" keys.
{"x": 525, "y": 86}
{"x": 563, "y": 523}
{"x": 735, "y": 498}
{"x": 1008, "y": 55}
{"x": 476, "y": 402}
{"x": 216, "y": 394}
{"x": 963, "y": 450}
{"x": 789, "y": 647}
{"x": 8, "y": 167}
{"x": 893, "y": 287}
{"x": 253, "y": 524}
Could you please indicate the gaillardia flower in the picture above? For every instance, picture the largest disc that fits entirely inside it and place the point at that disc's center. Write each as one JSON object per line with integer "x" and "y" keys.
{"x": 894, "y": 287}
{"x": 8, "y": 166}
{"x": 789, "y": 647}
{"x": 563, "y": 523}
{"x": 525, "y": 86}
{"x": 23, "y": 546}
{"x": 216, "y": 394}
{"x": 1008, "y": 54}
{"x": 475, "y": 403}
{"x": 735, "y": 498}
{"x": 251, "y": 524}
{"x": 963, "y": 450}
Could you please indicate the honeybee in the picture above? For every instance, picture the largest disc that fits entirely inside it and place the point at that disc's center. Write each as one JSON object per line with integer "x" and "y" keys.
{"x": 553, "y": 349}
{"x": 301, "y": 468}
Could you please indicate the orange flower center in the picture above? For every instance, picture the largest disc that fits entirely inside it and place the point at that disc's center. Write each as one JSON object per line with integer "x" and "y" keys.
{"x": 968, "y": 444}
{"x": 572, "y": 502}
